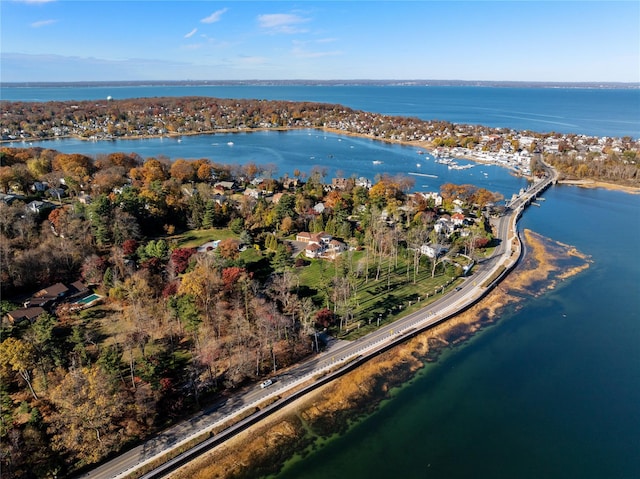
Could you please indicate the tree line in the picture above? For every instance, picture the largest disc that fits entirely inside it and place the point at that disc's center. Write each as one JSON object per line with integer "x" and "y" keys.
{"x": 177, "y": 325}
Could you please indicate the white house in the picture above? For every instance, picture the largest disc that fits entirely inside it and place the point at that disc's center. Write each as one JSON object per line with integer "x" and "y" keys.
{"x": 457, "y": 219}
{"x": 437, "y": 199}
{"x": 433, "y": 251}
{"x": 444, "y": 226}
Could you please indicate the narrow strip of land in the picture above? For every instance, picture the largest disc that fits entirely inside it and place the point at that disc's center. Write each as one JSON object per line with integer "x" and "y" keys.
{"x": 332, "y": 362}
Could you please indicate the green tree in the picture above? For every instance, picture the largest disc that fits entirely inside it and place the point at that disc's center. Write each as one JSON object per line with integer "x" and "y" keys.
{"x": 286, "y": 207}
{"x": 100, "y": 216}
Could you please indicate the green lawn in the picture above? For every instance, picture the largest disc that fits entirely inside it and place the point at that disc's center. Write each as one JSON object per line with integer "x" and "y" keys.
{"x": 391, "y": 296}
{"x": 195, "y": 238}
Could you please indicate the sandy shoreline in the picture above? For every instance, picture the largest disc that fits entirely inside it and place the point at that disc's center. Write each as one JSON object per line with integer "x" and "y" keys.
{"x": 263, "y": 448}
{"x": 601, "y": 184}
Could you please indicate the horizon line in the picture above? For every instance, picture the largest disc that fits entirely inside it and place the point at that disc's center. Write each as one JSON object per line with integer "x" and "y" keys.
{"x": 397, "y": 82}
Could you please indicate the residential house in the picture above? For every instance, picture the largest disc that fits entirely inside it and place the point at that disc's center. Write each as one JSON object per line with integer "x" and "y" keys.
{"x": 39, "y": 186}
{"x": 77, "y": 289}
{"x": 364, "y": 182}
{"x": 37, "y": 207}
{"x": 341, "y": 183}
{"x": 48, "y": 295}
{"x": 290, "y": 183}
{"x": 219, "y": 199}
{"x": 335, "y": 247}
{"x": 444, "y": 225}
{"x": 313, "y": 250}
{"x": 433, "y": 250}
{"x": 24, "y": 314}
{"x": 321, "y": 238}
{"x": 457, "y": 219}
{"x": 253, "y": 193}
{"x": 435, "y": 197}
{"x": 224, "y": 186}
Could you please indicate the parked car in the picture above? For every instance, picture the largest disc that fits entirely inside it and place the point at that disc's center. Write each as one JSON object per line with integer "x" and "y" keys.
{"x": 266, "y": 384}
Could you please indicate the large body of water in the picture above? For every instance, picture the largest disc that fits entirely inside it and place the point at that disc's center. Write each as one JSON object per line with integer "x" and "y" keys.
{"x": 550, "y": 391}
{"x": 589, "y": 111}
{"x": 281, "y": 153}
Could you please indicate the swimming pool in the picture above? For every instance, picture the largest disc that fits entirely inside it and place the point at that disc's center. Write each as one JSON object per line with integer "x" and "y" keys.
{"x": 89, "y": 299}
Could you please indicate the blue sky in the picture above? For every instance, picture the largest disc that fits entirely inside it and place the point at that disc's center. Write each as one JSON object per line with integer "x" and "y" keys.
{"x": 104, "y": 40}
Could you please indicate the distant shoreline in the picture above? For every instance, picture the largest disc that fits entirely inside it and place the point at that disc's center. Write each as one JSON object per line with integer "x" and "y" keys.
{"x": 355, "y": 82}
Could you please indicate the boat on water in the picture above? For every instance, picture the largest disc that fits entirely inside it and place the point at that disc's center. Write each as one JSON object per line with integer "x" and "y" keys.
{"x": 230, "y": 143}
{"x": 422, "y": 174}
{"x": 418, "y": 165}
{"x": 377, "y": 162}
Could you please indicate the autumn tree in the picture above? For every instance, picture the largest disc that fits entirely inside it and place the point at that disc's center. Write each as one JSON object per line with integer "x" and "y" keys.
{"x": 87, "y": 422}
{"x": 183, "y": 170}
{"x": 179, "y": 259}
{"x": 19, "y": 357}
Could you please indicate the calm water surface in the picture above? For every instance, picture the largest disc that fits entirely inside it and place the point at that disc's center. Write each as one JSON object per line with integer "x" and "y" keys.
{"x": 283, "y": 152}
{"x": 551, "y": 391}
{"x": 589, "y": 111}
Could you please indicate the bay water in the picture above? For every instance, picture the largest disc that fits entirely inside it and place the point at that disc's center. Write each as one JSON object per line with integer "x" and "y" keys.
{"x": 588, "y": 111}
{"x": 281, "y": 153}
{"x": 552, "y": 390}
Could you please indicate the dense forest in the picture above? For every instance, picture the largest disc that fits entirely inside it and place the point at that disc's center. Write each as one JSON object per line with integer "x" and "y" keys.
{"x": 177, "y": 325}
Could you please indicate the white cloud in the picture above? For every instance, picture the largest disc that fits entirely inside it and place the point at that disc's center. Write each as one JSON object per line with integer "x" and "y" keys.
{"x": 191, "y": 33}
{"x": 43, "y": 23}
{"x": 215, "y": 16}
{"x": 282, "y": 22}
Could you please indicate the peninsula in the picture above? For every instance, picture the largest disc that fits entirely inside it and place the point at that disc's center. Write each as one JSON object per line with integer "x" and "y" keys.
{"x": 139, "y": 291}
{"x": 611, "y": 161}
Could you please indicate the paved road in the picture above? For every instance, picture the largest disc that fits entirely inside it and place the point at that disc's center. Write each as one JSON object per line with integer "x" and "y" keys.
{"x": 339, "y": 352}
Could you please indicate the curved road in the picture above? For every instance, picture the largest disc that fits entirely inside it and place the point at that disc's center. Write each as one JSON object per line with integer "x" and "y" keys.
{"x": 506, "y": 254}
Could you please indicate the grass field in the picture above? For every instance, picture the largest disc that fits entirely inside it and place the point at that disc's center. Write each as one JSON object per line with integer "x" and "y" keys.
{"x": 195, "y": 238}
{"x": 374, "y": 303}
